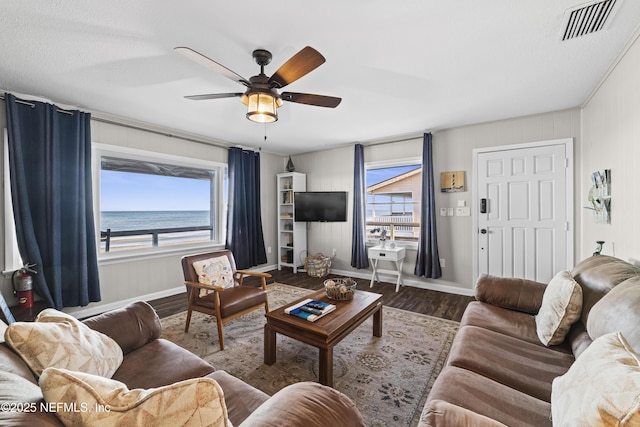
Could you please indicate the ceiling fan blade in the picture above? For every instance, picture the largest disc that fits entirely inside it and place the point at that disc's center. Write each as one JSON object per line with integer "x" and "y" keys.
{"x": 300, "y": 64}
{"x": 213, "y": 96}
{"x": 310, "y": 99}
{"x": 211, "y": 64}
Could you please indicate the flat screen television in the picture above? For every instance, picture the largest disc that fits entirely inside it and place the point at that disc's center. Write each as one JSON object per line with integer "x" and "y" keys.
{"x": 322, "y": 206}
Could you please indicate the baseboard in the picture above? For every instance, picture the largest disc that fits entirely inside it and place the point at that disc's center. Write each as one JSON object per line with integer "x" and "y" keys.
{"x": 265, "y": 268}
{"x": 440, "y": 285}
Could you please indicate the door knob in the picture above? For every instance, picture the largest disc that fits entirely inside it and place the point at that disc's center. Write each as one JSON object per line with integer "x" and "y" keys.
{"x": 483, "y": 231}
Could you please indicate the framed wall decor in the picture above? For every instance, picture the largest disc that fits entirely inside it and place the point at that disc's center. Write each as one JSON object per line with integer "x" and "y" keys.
{"x": 452, "y": 182}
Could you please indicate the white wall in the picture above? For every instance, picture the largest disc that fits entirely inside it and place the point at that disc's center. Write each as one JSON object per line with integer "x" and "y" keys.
{"x": 162, "y": 275}
{"x": 611, "y": 140}
{"x": 452, "y": 151}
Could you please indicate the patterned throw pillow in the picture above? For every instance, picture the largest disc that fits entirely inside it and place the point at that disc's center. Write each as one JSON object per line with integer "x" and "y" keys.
{"x": 561, "y": 307}
{"x": 84, "y": 399}
{"x": 602, "y": 387}
{"x": 215, "y": 271}
{"x": 59, "y": 340}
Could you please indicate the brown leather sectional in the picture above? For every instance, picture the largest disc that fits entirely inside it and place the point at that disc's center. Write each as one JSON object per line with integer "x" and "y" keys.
{"x": 498, "y": 373}
{"x": 150, "y": 361}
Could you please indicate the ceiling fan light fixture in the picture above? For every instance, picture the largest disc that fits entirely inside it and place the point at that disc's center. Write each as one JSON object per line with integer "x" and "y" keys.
{"x": 261, "y": 97}
{"x": 262, "y": 107}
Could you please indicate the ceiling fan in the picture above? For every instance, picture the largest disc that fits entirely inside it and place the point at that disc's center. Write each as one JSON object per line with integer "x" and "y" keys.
{"x": 261, "y": 97}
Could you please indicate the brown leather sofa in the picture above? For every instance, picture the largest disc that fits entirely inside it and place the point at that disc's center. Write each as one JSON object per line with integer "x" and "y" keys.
{"x": 498, "y": 373}
{"x": 150, "y": 361}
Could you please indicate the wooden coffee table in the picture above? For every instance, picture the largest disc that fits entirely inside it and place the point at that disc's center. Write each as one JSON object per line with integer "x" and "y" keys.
{"x": 325, "y": 332}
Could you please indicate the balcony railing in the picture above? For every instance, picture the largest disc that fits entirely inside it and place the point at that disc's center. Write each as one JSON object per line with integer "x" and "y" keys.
{"x": 107, "y": 236}
{"x": 397, "y": 227}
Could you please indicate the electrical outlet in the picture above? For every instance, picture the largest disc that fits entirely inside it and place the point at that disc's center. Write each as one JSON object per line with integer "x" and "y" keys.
{"x": 333, "y": 252}
{"x": 441, "y": 262}
{"x": 449, "y": 211}
{"x": 443, "y": 211}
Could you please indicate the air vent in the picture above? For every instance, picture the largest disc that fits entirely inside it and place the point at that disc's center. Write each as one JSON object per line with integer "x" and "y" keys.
{"x": 587, "y": 19}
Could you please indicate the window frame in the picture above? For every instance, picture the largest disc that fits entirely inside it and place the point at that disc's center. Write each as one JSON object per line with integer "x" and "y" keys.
{"x": 382, "y": 164}
{"x": 99, "y": 150}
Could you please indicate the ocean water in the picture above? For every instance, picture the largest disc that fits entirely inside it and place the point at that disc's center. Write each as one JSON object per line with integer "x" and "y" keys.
{"x": 142, "y": 220}
{"x": 145, "y": 220}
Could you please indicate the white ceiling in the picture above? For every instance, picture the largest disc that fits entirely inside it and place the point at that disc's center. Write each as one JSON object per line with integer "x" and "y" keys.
{"x": 400, "y": 67}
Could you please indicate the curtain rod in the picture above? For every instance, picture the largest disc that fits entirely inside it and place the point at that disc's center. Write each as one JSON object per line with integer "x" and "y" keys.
{"x": 111, "y": 122}
{"x": 157, "y": 132}
{"x": 391, "y": 142}
{"x": 30, "y": 104}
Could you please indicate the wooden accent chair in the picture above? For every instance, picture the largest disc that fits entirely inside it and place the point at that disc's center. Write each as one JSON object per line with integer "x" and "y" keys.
{"x": 225, "y": 304}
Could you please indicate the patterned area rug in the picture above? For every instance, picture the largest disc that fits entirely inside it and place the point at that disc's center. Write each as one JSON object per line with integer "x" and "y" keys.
{"x": 388, "y": 378}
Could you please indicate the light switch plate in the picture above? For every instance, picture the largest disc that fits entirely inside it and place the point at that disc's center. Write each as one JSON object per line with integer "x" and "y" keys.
{"x": 463, "y": 211}
{"x": 449, "y": 211}
{"x": 443, "y": 211}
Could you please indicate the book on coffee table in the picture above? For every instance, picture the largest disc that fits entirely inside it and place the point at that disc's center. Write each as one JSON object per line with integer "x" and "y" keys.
{"x": 310, "y": 310}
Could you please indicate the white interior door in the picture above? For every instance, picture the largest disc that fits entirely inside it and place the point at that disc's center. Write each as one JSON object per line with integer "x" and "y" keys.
{"x": 525, "y": 226}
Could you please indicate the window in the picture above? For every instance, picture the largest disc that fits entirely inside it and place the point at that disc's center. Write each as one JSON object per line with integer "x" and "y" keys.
{"x": 393, "y": 196}
{"x": 149, "y": 201}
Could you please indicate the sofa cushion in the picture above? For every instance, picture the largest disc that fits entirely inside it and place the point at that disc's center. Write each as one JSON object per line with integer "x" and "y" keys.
{"x": 561, "y": 307}
{"x": 507, "y": 322}
{"x": 601, "y": 388}
{"x": 510, "y": 292}
{"x": 618, "y": 312}
{"x": 59, "y": 340}
{"x": 96, "y": 400}
{"x": 160, "y": 363}
{"x": 597, "y": 275}
{"x": 215, "y": 271}
{"x": 529, "y": 368}
{"x": 235, "y": 300}
{"x": 131, "y": 326}
{"x": 486, "y": 397}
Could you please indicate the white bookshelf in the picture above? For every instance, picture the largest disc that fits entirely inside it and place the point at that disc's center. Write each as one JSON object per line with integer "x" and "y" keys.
{"x": 292, "y": 236}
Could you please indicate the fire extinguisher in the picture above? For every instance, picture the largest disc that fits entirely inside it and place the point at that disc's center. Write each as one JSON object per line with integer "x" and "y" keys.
{"x": 23, "y": 285}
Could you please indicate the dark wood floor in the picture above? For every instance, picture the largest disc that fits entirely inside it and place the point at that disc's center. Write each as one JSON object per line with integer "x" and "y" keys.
{"x": 433, "y": 303}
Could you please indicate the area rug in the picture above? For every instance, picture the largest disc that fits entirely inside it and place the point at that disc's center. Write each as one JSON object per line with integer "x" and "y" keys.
{"x": 388, "y": 378}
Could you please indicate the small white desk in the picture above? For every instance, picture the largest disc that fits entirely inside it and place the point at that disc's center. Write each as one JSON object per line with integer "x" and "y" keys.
{"x": 395, "y": 255}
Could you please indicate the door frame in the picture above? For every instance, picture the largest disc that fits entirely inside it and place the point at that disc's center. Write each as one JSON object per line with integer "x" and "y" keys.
{"x": 475, "y": 203}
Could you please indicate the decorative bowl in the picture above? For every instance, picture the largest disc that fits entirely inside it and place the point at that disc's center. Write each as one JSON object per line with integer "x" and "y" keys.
{"x": 340, "y": 289}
